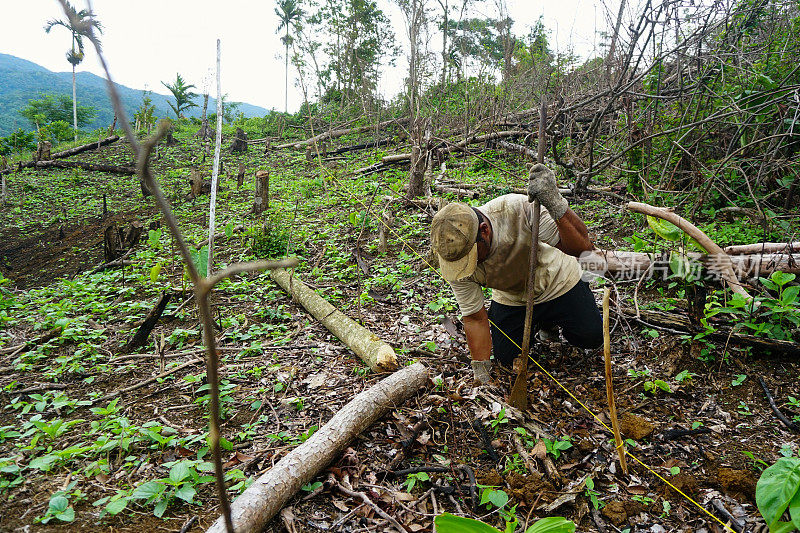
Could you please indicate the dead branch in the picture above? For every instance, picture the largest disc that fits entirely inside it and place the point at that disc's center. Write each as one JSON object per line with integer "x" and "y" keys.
{"x": 785, "y": 421}
{"x": 48, "y": 335}
{"x": 333, "y": 134}
{"x": 268, "y": 494}
{"x": 94, "y": 167}
{"x": 721, "y": 258}
{"x": 764, "y": 248}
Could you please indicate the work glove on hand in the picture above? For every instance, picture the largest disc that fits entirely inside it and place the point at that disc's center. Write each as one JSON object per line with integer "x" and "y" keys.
{"x": 481, "y": 372}
{"x": 542, "y": 186}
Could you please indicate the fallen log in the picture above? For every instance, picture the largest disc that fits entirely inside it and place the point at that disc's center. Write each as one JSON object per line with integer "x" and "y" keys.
{"x": 725, "y": 335}
{"x": 85, "y": 148}
{"x": 378, "y": 355}
{"x": 764, "y": 248}
{"x": 61, "y": 155}
{"x": 634, "y": 265}
{"x": 94, "y": 167}
{"x": 475, "y": 139}
{"x": 723, "y": 261}
{"x": 269, "y": 493}
{"x": 363, "y": 146}
{"x": 333, "y": 134}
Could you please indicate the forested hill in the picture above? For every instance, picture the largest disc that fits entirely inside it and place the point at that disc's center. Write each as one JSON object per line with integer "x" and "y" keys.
{"x": 22, "y": 80}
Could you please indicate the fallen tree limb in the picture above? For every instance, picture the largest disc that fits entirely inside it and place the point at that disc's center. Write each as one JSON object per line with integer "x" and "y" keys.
{"x": 141, "y": 384}
{"x": 363, "y": 146}
{"x": 48, "y": 335}
{"x": 764, "y": 248}
{"x": 680, "y": 324}
{"x": 85, "y": 148}
{"x": 333, "y": 134}
{"x": 94, "y": 167}
{"x": 66, "y": 153}
{"x": 268, "y": 494}
{"x": 722, "y": 259}
{"x": 378, "y": 355}
{"x": 786, "y": 422}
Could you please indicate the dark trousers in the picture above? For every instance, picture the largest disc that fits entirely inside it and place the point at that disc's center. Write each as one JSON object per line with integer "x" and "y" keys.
{"x": 576, "y": 312}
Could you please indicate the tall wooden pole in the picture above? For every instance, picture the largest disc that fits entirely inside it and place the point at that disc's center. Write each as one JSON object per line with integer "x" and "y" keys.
{"x": 612, "y": 408}
{"x": 215, "y": 171}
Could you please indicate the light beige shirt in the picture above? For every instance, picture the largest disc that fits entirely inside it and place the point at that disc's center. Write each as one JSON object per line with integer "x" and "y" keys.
{"x": 505, "y": 269}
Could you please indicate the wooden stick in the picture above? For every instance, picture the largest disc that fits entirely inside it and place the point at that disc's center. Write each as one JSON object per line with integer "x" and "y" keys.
{"x": 612, "y": 408}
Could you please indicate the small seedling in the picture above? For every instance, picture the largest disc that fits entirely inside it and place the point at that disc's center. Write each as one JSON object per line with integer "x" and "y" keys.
{"x": 556, "y": 446}
{"x": 412, "y": 480}
{"x": 738, "y": 380}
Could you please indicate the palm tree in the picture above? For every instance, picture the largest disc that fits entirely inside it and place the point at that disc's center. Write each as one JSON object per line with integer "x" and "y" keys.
{"x": 183, "y": 95}
{"x": 79, "y": 24}
{"x": 290, "y": 14}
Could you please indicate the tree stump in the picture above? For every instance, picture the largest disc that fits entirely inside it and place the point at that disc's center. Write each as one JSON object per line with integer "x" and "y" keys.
{"x": 195, "y": 184}
{"x": 420, "y": 159}
{"x": 112, "y": 245}
{"x": 239, "y": 142}
{"x": 131, "y": 235}
{"x": 240, "y": 176}
{"x": 169, "y": 140}
{"x": 261, "y": 202}
{"x": 43, "y": 151}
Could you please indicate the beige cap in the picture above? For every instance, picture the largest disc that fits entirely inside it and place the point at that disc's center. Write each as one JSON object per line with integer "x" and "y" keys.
{"x": 454, "y": 232}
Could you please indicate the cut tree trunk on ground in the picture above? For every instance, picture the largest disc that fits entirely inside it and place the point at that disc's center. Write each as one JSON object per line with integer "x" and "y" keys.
{"x": 634, "y": 265}
{"x": 268, "y": 494}
{"x": 363, "y": 146}
{"x": 111, "y": 169}
{"x": 764, "y": 248}
{"x": 66, "y": 153}
{"x": 378, "y": 355}
{"x": 676, "y": 322}
{"x": 722, "y": 261}
{"x": 333, "y": 134}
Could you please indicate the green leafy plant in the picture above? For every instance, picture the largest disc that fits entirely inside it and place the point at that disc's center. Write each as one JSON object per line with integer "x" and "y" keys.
{"x": 412, "y": 480}
{"x": 777, "y": 490}
{"x": 738, "y": 380}
{"x": 593, "y": 494}
{"x": 499, "y": 420}
{"x": 448, "y": 523}
{"x": 556, "y": 446}
{"x": 656, "y": 385}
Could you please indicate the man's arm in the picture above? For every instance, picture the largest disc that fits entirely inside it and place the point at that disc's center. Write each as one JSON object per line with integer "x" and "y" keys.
{"x": 573, "y": 234}
{"x": 479, "y": 337}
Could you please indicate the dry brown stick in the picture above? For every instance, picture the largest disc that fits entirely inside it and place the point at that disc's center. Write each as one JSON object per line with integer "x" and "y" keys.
{"x": 724, "y": 262}
{"x": 364, "y": 498}
{"x": 786, "y": 422}
{"x": 49, "y": 335}
{"x": 612, "y": 407}
{"x": 147, "y": 381}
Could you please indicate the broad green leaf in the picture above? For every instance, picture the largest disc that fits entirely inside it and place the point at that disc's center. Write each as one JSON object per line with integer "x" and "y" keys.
{"x": 179, "y": 472}
{"x": 58, "y": 504}
{"x": 794, "y": 510}
{"x": 160, "y": 507}
{"x": 777, "y": 487}
{"x": 155, "y": 271}
{"x": 67, "y": 516}
{"x": 229, "y": 230}
{"x": 186, "y": 493}
{"x": 44, "y": 463}
{"x": 448, "y": 523}
{"x": 148, "y": 490}
{"x": 789, "y": 295}
{"x": 664, "y": 229}
{"x": 117, "y": 506}
{"x": 553, "y": 524}
{"x": 498, "y": 498}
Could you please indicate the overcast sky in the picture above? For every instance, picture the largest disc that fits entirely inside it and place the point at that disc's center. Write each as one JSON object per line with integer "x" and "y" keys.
{"x": 149, "y": 41}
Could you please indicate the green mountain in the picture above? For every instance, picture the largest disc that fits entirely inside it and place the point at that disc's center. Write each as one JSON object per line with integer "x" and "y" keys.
{"x": 22, "y": 81}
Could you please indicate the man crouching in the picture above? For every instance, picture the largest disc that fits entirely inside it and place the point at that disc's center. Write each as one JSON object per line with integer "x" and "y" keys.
{"x": 489, "y": 246}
